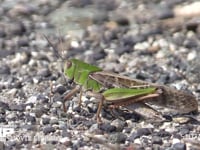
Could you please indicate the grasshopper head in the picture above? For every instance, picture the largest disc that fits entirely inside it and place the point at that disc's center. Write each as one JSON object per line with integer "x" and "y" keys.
{"x": 69, "y": 70}
{"x": 68, "y": 64}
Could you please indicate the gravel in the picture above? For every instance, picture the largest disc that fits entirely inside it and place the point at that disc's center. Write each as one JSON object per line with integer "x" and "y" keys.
{"x": 139, "y": 39}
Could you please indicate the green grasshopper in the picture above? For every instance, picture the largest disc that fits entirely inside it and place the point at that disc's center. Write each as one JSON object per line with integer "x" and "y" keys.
{"x": 117, "y": 90}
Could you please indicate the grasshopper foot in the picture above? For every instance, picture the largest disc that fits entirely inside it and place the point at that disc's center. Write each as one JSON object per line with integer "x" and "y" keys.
{"x": 98, "y": 118}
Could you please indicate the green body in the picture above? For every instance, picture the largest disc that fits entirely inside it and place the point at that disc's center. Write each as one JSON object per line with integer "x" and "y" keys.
{"x": 79, "y": 71}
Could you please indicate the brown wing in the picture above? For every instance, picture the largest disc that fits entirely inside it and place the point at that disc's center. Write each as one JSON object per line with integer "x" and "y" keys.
{"x": 109, "y": 80}
{"x": 179, "y": 101}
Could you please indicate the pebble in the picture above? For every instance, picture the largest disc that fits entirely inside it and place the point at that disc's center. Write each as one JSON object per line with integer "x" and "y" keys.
{"x": 17, "y": 107}
{"x": 144, "y": 131}
{"x": 22, "y": 9}
{"x": 191, "y": 56}
{"x": 53, "y": 120}
{"x": 175, "y": 140}
{"x": 2, "y": 145}
{"x": 119, "y": 124}
{"x": 31, "y": 118}
{"x": 11, "y": 116}
{"x": 20, "y": 58}
{"x": 164, "y": 13}
{"x": 62, "y": 125}
{"x": 45, "y": 121}
{"x": 107, "y": 127}
{"x": 66, "y": 141}
{"x": 184, "y": 131}
{"x": 140, "y": 132}
{"x": 48, "y": 129}
{"x": 44, "y": 72}
{"x": 123, "y": 49}
{"x": 43, "y": 98}
{"x": 4, "y": 105}
{"x": 60, "y": 89}
{"x": 23, "y": 42}
{"x": 32, "y": 100}
{"x": 118, "y": 138}
{"x": 39, "y": 111}
{"x": 11, "y": 143}
{"x": 2, "y": 118}
{"x": 16, "y": 28}
{"x": 157, "y": 140}
{"x": 163, "y": 133}
{"x": 179, "y": 146}
{"x": 4, "y": 69}
{"x": 2, "y": 33}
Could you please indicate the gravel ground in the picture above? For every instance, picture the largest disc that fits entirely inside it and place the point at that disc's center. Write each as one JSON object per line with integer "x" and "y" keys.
{"x": 152, "y": 41}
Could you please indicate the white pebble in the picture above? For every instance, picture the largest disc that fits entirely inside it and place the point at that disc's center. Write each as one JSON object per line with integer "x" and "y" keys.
{"x": 174, "y": 141}
{"x": 64, "y": 140}
{"x": 192, "y": 55}
{"x": 31, "y": 99}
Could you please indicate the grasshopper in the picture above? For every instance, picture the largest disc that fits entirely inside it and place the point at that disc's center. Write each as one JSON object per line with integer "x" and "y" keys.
{"x": 117, "y": 90}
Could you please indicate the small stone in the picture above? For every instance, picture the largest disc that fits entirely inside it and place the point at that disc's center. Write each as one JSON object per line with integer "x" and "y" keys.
{"x": 2, "y": 146}
{"x": 48, "y": 129}
{"x": 66, "y": 141}
{"x": 138, "y": 141}
{"x": 32, "y": 100}
{"x": 4, "y": 105}
{"x": 123, "y": 49}
{"x": 23, "y": 42}
{"x": 181, "y": 120}
{"x": 44, "y": 72}
{"x": 11, "y": 117}
{"x": 107, "y": 127}
{"x": 16, "y": 29}
{"x": 144, "y": 131}
{"x": 21, "y": 58}
{"x": 164, "y": 13}
{"x": 11, "y": 143}
{"x": 163, "y": 133}
{"x": 175, "y": 140}
{"x": 28, "y": 127}
{"x": 157, "y": 140}
{"x": 2, "y": 33}
{"x": 94, "y": 128}
{"x": 119, "y": 124}
{"x": 4, "y": 69}
{"x": 57, "y": 104}
{"x": 192, "y": 55}
{"x": 118, "y": 138}
{"x": 140, "y": 132}
{"x": 179, "y": 146}
{"x": 53, "y": 120}
{"x": 62, "y": 125}
{"x": 60, "y": 89}
{"x": 45, "y": 121}
{"x": 184, "y": 131}
{"x": 30, "y": 118}
{"x": 22, "y": 9}
{"x": 17, "y": 107}
{"x": 39, "y": 111}
{"x": 42, "y": 98}
{"x": 2, "y": 118}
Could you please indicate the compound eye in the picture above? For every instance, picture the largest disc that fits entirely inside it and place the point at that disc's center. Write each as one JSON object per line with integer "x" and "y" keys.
{"x": 69, "y": 64}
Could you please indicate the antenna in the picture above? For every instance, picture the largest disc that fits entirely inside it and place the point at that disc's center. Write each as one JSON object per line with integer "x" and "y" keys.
{"x": 54, "y": 48}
